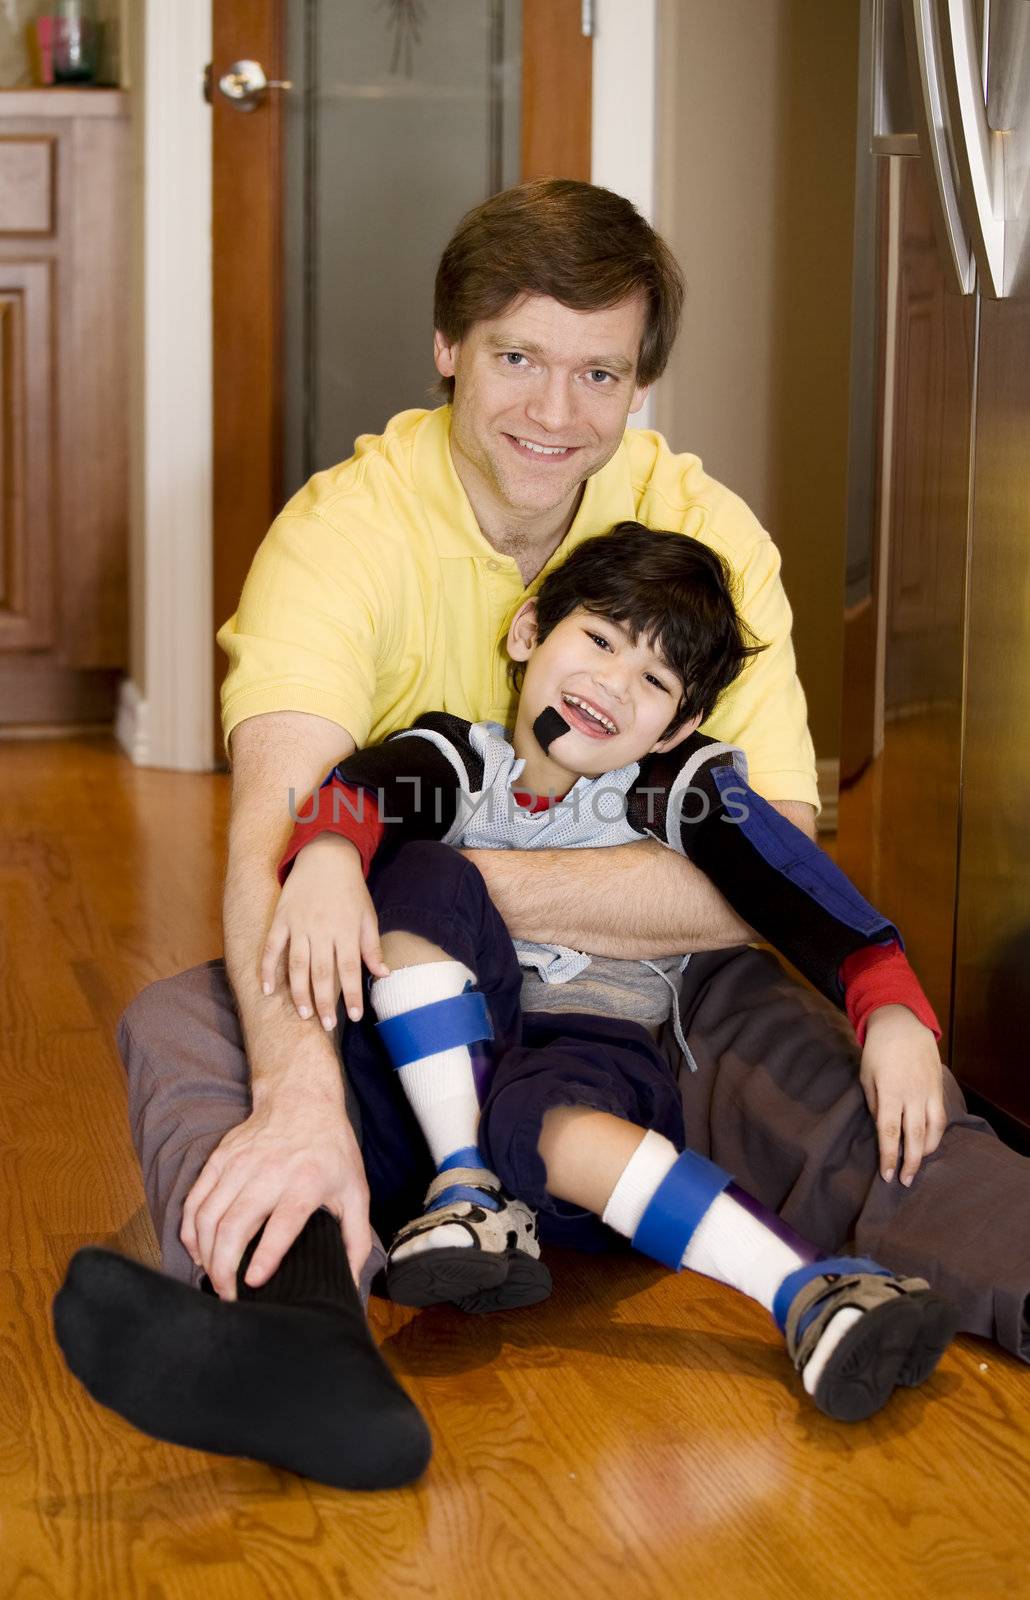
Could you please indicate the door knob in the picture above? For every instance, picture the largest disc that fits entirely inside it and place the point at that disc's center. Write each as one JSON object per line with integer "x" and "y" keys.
{"x": 245, "y": 84}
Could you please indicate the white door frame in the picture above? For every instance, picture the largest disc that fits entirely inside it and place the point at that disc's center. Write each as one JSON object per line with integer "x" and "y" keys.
{"x": 165, "y": 714}
{"x": 624, "y": 125}
{"x": 169, "y": 722}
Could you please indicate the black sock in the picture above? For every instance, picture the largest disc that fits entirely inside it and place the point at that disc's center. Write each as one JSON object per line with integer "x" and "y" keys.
{"x": 288, "y": 1374}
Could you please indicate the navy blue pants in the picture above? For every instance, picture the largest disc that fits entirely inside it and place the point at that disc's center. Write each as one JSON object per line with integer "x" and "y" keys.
{"x": 539, "y": 1059}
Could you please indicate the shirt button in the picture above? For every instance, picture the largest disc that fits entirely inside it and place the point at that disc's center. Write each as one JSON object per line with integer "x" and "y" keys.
{"x": 493, "y": 566}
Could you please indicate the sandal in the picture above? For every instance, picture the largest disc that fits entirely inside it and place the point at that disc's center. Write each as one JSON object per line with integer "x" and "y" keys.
{"x": 498, "y": 1270}
{"x": 903, "y": 1331}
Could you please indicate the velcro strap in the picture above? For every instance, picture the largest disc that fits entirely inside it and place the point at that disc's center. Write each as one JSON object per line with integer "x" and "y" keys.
{"x": 473, "y": 1177}
{"x": 462, "y": 1191}
{"x": 794, "y": 1282}
{"x": 677, "y": 1206}
{"x": 442, "y": 1025}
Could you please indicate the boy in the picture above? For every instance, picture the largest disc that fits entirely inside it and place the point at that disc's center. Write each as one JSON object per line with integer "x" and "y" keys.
{"x": 626, "y": 647}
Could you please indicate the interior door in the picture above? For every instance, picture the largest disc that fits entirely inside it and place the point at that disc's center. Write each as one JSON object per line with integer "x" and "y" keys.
{"x": 332, "y": 196}
{"x": 246, "y": 234}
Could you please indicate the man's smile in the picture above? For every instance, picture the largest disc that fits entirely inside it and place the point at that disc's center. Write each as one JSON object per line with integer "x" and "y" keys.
{"x": 532, "y": 450}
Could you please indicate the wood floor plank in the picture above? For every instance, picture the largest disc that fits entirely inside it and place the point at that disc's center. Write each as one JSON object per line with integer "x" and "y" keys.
{"x": 637, "y": 1437}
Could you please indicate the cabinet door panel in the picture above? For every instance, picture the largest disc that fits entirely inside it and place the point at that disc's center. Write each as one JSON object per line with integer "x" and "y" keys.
{"x": 93, "y": 512}
{"x": 26, "y": 456}
{"x": 26, "y": 184}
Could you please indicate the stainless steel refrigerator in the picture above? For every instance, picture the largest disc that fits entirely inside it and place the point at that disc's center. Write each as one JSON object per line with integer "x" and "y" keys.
{"x": 935, "y": 760}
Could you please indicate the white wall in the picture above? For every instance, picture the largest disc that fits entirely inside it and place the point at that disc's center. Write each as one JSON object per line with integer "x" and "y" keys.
{"x": 756, "y": 155}
{"x": 624, "y": 125}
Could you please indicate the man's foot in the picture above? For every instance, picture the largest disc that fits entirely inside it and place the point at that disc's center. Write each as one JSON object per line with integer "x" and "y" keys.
{"x": 297, "y": 1386}
{"x": 855, "y": 1337}
{"x": 475, "y": 1247}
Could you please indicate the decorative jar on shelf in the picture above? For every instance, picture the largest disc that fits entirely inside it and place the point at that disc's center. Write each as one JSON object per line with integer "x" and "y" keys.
{"x": 76, "y": 39}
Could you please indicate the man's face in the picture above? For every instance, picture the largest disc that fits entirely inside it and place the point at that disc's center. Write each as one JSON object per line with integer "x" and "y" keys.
{"x": 617, "y": 694}
{"x": 541, "y": 398}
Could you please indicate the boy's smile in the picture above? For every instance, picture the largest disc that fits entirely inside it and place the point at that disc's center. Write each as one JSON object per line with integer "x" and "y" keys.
{"x": 617, "y": 695}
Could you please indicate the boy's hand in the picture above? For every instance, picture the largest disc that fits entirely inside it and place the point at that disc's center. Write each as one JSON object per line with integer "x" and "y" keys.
{"x": 903, "y": 1083}
{"x": 326, "y": 916}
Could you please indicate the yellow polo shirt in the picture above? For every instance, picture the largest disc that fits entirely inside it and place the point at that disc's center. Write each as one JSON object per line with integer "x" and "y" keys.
{"x": 374, "y": 597}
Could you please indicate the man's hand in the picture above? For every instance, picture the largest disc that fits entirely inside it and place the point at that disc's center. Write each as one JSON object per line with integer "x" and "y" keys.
{"x": 326, "y": 916}
{"x": 284, "y": 1162}
{"x": 903, "y": 1083}
{"x": 296, "y": 1151}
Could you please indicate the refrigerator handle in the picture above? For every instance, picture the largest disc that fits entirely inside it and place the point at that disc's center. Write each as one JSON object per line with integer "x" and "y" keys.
{"x": 980, "y": 149}
{"x": 892, "y": 122}
{"x": 923, "y": 52}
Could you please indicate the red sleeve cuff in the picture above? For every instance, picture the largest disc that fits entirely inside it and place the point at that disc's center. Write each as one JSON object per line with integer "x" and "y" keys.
{"x": 336, "y": 808}
{"x": 879, "y": 975}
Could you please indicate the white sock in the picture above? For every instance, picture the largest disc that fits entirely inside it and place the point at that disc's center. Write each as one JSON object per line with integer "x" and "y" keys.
{"x": 729, "y": 1244}
{"x": 737, "y": 1248}
{"x": 648, "y": 1166}
{"x": 440, "y": 1088}
{"x": 830, "y": 1337}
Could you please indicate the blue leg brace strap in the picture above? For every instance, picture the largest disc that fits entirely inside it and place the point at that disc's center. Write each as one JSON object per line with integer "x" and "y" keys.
{"x": 464, "y": 1019}
{"x": 464, "y": 1191}
{"x": 469, "y": 1155}
{"x": 677, "y": 1206}
{"x": 846, "y": 1266}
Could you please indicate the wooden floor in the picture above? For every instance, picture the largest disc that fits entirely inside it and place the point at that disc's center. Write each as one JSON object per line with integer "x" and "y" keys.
{"x": 637, "y": 1436}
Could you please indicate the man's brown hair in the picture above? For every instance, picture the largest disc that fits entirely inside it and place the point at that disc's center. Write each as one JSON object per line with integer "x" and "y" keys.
{"x": 585, "y": 247}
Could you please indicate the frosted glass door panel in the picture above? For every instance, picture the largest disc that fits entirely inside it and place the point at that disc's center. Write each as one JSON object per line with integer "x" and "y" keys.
{"x": 404, "y": 113}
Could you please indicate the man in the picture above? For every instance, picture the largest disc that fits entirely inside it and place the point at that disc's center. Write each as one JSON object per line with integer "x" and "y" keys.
{"x": 383, "y": 590}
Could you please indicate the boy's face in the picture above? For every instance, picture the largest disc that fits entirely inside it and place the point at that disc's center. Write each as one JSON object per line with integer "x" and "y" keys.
{"x": 541, "y": 374}
{"x": 617, "y": 695}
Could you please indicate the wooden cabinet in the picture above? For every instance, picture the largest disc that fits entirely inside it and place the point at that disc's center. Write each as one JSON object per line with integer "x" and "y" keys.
{"x": 65, "y": 205}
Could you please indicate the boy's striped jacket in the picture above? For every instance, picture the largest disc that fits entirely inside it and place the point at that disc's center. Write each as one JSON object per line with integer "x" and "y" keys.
{"x": 448, "y": 779}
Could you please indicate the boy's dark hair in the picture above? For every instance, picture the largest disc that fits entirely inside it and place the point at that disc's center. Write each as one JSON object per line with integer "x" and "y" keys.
{"x": 583, "y": 246}
{"x": 668, "y": 588}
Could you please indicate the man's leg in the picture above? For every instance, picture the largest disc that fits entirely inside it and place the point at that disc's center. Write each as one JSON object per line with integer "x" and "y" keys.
{"x": 776, "y": 1100}
{"x": 287, "y": 1374}
{"x": 188, "y": 1083}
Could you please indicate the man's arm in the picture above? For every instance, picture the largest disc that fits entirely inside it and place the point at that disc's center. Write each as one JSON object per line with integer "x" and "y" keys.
{"x": 296, "y": 1151}
{"x": 633, "y": 901}
{"x": 800, "y": 813}
{"x": 271, "y": 755}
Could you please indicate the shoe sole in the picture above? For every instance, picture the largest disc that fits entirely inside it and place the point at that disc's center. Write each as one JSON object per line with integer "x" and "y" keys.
{"x": 937, "y": 1328}
{"x": 527, "y": 1283}
{"x": 436, "y": 1277}
{"x": 899, "y": 1342}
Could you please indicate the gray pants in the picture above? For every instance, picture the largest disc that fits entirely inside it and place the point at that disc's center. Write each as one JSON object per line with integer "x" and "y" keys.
{"x": 775, "y": 1101}
{"x": 182, "y": 1047}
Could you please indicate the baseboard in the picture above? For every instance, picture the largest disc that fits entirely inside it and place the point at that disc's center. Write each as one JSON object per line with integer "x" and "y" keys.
{"x": 32, "y": 732}
{"x": 132, "y": 722}
{"x": 828, "y": 773}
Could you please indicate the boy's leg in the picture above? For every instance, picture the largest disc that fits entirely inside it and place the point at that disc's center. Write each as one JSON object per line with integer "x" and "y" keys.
{"x": 776, "y": 1100}
{"x": 473, "y": 1244}
{"x": 854, "y": 1331}
{"x": 564, "y": 1125}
